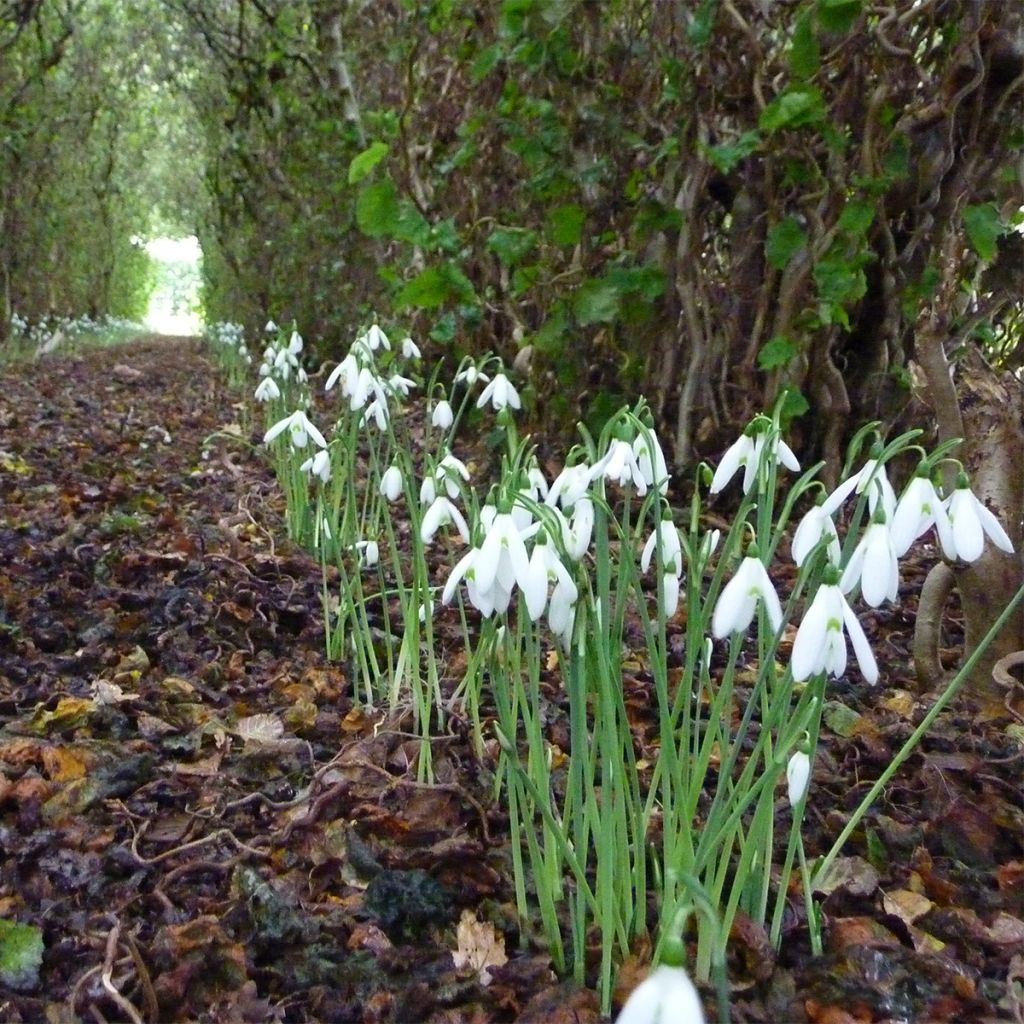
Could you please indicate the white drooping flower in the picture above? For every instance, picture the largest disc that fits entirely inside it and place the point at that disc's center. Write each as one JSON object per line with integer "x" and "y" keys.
{"x": 815, "y": 525}
{"x": 667, "y": 996}
{"x": 671, "y": 546}
{"x": 569, "y": 486}
{"x": 970, "y": 523}
{"x": 399, "y": 385}
{"x": 377, "y": 411}
{"x": 346, "y": 371}
{"x": 503, "y": 556}
{"x": 737, "y": 602}
{"x": 620, "y": 464}
{"x": 391, "y": 483}
{"x": 369, "y": 553}
{"x": 318, "y": 465}
{"x": 746, "y": 452}
{"x": 470, "y": 375}
{"x": 500, "y": 393}
{"x": 668, "y": 592}
{"x": 441, "y": 415}
{"x": 651, "y": 460}
{"x": 874, "y": 565}
{"x": 798, "y": 774}
{"x": 295, "y": 343}
{"x": 449, "y": 471}
{"x": 546, "y": 568}
{"x": 918, "y": 509}
{"x": 375, "y": 338}
{"x": 442, "y": 513}
{"x": 820, "y": 645}
{"x": 871, "y": 477}
{"x": 301, "y": 430}
{"x": 267, "y": 390}
{"x": 410, "y": 350}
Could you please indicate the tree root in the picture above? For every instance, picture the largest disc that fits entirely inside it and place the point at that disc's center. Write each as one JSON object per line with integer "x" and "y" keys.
{"x": 938, "y": 585}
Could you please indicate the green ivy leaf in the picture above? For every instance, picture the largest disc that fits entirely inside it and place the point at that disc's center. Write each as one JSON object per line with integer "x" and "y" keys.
{"x": 550, "y": 337}
{"x": 776, "y": 352}
{"x": 804, "y": 52}
{"x": 857, "y": 216}
{"x": 510, "y": 245}
{"x": 784, "y": 241}
{"x": 565, "y": 224}
{"x": 727, "y": 155}
{"x": 984, "y": 227}
{"x": 364, "y": 163}
{"x": 434, "y": 287}
{"x": 443, "y": 331}
{"x": 794, "y": 108}
{"x": 21, "y": 955}
{"x": 486, "y": 61}
{"x": 596, "y": 301}
{"x": 838, "y": 15}
{"x": 377, "y": 209}
{"x": 793, "y": 405}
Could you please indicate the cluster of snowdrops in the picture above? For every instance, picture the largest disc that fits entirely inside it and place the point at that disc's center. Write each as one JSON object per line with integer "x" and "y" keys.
{"x": 576, "y": 562}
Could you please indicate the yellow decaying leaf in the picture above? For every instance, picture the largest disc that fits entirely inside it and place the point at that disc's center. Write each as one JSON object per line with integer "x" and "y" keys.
{"x": 480, "y": 946}
{"x": 905, "y": 904}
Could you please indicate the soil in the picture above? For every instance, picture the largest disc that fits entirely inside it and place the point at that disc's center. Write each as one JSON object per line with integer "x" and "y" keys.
{"x": 203, "y": 826}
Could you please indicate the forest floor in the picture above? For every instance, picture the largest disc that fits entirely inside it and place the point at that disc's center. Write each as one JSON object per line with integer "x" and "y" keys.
{"x": 202, "y": 827}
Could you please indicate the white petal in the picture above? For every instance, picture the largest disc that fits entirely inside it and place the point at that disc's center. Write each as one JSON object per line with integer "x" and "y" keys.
{"x": 535, "y": 589}
{"x": 994, "y": 529}
{"x": 840, "y": 494}
{"x": 861, "y": 647}
{"x": 968, "y": 535}
{"x": 809, "y": 646}
{"x": 730, "y": 463}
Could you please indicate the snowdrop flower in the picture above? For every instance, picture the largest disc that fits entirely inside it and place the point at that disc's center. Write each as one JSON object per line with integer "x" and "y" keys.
{"x": 369, "y": 553}
{"x": 971, "y": 522}
{"x": 738, "y": 600}
{"x": 709, "y": 544}
{"x": 874, "y": 564}
{"x": 816, "y": 523}
{"x": 301, "y": 430}
{"x": 449, "y": 471}
{"x": 798, "y": 774}
{"x": 346, "y": 371}
{"x": 671, "y": 547}
{"x": 442, "y": 513}
{"x": 428, "y": 490}
{"x": 918, "y": 509}
{"x": 500, "y": 393}
{"x": 546, "y": 567}
{"x": 746, "y": 452}
{"x": 620, "y": 464}
{"x": 271, "y": 327}
{"x": 391, "y": 483}
{"x": 668, "y": 591}
{"x": 536, "y": 484}
{"x": 580, "y": 529}
{"x": 377, "y": 411}
{"x": 375, "y": 338}
{"x": 569, "y": 486}
{"x": 667, "y": 996}
{"x": 295, "y": 343}
{"x": 651, "y": 460}
{"x": 410, "y": 350}
{"x": 318, "y": 465}
{"x": 400, "y": 385}
{"x": 503, "y": 556}
{"x": 871, "y": 475}
{"x": 267, "y": 390}
{"x": 470, "y": 375}
{"x": 820, "y": 645}
{"x": 441, "y": 415}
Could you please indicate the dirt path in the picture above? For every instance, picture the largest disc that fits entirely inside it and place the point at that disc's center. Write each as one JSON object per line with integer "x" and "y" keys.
{"x": 201, "y": 827}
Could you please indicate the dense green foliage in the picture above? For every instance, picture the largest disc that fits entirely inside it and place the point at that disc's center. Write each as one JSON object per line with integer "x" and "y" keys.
{"x": 705, "y": 202}
{"x": 702, "y": 202}
{"x": 84, "y": 158}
